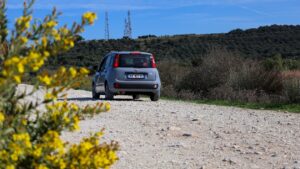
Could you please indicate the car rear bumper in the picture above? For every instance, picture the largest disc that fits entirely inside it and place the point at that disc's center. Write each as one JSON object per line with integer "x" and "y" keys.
{"x": 135, "y": 87}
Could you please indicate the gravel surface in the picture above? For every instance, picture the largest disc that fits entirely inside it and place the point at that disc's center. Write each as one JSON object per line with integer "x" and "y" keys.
{"x": 173, "y": 134}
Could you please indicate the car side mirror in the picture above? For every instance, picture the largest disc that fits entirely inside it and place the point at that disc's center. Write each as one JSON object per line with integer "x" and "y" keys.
{"x": 93, "y": 69}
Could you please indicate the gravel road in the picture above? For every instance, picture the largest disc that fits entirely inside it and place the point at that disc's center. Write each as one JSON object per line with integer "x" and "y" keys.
{"x": 179, "y": 135}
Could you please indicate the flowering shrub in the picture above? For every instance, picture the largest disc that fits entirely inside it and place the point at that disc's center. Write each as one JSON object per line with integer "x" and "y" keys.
{"x": 30, "y": 137}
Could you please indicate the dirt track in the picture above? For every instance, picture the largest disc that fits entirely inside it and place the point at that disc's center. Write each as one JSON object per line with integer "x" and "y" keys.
{"x": 171, "y": 134}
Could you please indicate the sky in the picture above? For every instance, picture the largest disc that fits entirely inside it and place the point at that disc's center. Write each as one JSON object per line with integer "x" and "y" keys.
{"x": 167, "y": 17}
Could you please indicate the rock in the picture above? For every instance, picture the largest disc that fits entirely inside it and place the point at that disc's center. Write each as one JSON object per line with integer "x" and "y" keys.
{"x": 173, "y": 128}
{"x": 229, "y": 161}
{"x": 177, "y": 145}
{"x": 258, "y": 153}
{"x": 187, "y": 135}
{"x": 195, "y": 120}
{"x": 236, "y": 147}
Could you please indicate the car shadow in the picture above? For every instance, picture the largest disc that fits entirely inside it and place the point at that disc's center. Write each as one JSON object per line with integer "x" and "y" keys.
{"x": 83, "y": 99}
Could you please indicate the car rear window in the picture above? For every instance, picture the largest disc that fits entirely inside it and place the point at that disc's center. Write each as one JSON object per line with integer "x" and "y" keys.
{"x": 136, "y": 60}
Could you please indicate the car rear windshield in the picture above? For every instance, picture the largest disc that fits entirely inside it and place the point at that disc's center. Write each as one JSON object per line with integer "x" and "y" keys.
{"x": 136, "y": 60}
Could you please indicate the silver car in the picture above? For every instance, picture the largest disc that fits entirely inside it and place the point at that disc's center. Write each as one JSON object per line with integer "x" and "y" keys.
{"x": 127, "y": 73}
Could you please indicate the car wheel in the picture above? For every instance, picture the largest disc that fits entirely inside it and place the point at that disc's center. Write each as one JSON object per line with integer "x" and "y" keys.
{"x": 136, "y": 96}
{"x": 95, "y": 95}
{"x": 108, "y": 94}
{"x": 154, "y": 97}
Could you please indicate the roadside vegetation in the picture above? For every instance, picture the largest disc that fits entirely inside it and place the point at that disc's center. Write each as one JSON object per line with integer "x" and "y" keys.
{"x": 29, "y": 135}
{"x": 225, "y": 78}
{"x": 255, "y": 66}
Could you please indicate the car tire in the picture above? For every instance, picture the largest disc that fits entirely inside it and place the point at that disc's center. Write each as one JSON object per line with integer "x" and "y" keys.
{"x": 95, "y": 95}
{"x": 108, "y": 94}
{"x": 155, "y": 97}
{"x": 136, "y": 96}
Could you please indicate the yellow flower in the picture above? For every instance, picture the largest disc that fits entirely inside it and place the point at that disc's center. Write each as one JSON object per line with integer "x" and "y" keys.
{"x": 50, "y": 96}
{"x": 74, "y": 107}
{"x": 24, "y": 138}
{"x": 56, "y": 35}
{"x": 64, "y": 31}
{"x": 10, "y": 166}
{"x": 24, "y": 122}
{"x": 62, "y": 164}
{"x": 84, "y": 71}
{"x": 17, "y": 79}
{"x": 71, "y": 44}
{"x": 73, "y": 72}
{"x": 51, "y": 24}
{"x": 20, "y": 67}
{"x": 23, "y": 40}
{"x": 62, "y": 70}
{"x": 44, "y": 42}
{"x": 14, "y": 157}
{"x": 42, "y": 166}
{"x": 2, "y": 118}
{"x": 45, "y": 79}
{"x": 76, "y": 123}
{"x": 12, "y": 61}
{"x": 37, "y": 152}
{"x": 89, "y": 17}
{"x": 107, "y": 106}
{"x": 34, "y": 55}
{"x": 4, "y": 72}
{"x": 99, "y": 134}
{"x": 46, "y": 54}
{"x": 23, "y": 22}
{"x": 66, "y": 120}
{"x": 85, "y": 146}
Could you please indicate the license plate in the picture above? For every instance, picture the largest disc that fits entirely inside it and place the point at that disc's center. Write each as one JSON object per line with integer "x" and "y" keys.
{"x": 136, "y": 76}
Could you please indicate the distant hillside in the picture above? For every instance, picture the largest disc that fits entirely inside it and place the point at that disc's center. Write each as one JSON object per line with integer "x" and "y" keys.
{"x": 257, "y": 43}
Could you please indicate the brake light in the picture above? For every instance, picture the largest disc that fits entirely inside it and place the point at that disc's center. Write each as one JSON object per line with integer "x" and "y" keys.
{"x": 153, "y": 64}
{"x": 135, "y": 53}
{"x": 116, "y": 61}
{"x": 117, "y": 85}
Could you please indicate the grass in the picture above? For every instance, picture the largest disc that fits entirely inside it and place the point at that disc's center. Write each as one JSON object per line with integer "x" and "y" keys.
{"x": 294, "y": 108}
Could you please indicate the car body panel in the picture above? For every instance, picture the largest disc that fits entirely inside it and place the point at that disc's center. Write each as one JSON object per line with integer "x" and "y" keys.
{"x": 121, "y": 75}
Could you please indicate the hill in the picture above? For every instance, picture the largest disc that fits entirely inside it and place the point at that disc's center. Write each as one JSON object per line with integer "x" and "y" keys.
{"x": 259, "y": 43}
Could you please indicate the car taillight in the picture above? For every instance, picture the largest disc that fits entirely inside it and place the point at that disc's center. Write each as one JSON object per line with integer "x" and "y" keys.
{"x": 153, "y": 64}
{"x": 116, "y": 61}
{"x": 135, "y": 53}
{"x": 116, "y": 85}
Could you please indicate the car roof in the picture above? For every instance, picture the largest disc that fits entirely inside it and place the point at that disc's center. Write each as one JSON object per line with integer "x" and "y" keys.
{"x": 129, "y": 52}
